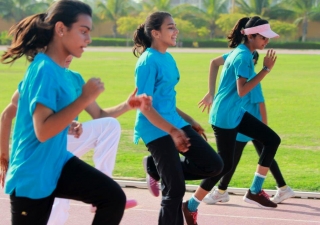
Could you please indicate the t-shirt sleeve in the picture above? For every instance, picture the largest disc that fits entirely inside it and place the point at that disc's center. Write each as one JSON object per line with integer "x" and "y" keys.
{"x": 243, "y": 66}
{"x": 225, "y": 56}
{"x": 145, "y": 79}
{"x": 43, "y": 89}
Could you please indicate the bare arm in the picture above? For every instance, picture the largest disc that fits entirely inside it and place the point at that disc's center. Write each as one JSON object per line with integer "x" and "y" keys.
{"x": 48, "y": 124}
{"x": 133, "y": 102}
{"x": 96, "y": 111}
{"x": 263, "y": 112}
{"x": 207, "y": 100}
{"x": 7, "y": 117}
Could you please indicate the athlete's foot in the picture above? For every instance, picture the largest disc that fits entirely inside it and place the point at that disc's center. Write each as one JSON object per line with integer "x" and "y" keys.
{"x": 152, "y": 184}
{"x": 280, "y": 196}
{"x": 260, "y": 199}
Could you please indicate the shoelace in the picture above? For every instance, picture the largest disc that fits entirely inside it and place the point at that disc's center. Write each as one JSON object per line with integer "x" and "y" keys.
{"x": 153, "y": 182}
{"x": 263, "y": 193}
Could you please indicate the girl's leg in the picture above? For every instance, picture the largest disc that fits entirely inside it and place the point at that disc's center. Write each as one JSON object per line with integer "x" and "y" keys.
{"x": 225, "y": 180}
{"x": 82, "y": 182}
{"x": 283, "y": 191}
{"x": 221, "y": 194}
{"x": 274, "y": 168}
{"x": 225, "y": 141}
{"x": 60, "y": 211}
{"x": 103, "y": 136}
{"x": 25, "y": 211}
{"x": 254, "y": 128}
{"x": 167, "y": 161}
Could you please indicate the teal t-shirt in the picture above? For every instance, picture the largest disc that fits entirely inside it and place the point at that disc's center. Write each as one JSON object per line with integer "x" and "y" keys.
{"x": 34, "y": 166}
{"x": 227, "y": 110}
{"x": 156, "y": 75}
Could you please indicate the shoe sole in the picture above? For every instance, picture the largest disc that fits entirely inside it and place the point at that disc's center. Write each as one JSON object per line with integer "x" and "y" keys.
{"x": 213, "y": 203}
{"x": 144, "y": 162}
{"x": 256, "y": 203}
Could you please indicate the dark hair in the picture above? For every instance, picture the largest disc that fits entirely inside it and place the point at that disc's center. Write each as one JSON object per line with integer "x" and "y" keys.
{"x": 35, "y": 32}
{"x": 255, "y": 57}
{"x": 142, "y": 37}
{"x": 236, "y": 37}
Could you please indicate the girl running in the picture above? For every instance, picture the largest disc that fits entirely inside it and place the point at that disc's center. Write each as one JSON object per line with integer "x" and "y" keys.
{"x": 165, "y": 129}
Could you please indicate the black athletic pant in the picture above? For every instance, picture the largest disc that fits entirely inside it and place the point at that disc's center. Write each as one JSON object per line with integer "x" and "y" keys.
{"x": 78, "y": 181}
{"x": 274, "y": 168}
{"x": 226, "y": 140}
{"x": 199, "y": 162}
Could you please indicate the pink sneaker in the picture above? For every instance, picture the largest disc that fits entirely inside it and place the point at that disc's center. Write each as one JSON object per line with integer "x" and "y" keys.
{"x": 152, "y": 184}
{"x": 129, "y": 204}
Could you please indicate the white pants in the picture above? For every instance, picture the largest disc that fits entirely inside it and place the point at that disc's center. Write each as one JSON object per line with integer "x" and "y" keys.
{"x": 103, "y": 136}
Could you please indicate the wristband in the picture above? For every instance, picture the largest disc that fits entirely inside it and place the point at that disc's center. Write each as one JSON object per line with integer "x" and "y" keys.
{"x": 266, "y": 68}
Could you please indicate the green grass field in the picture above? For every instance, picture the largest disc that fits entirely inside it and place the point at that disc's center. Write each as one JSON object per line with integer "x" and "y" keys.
{"x": 292, "y": 99}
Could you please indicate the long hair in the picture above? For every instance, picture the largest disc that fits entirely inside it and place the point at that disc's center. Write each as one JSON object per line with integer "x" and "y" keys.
{"x": 34, "y": 33}
{"x": 142, "y": 37}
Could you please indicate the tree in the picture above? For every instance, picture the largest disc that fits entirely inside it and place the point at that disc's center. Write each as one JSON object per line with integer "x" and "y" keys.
{"x": 286, "y": 30}
{"x": 112, "y": 10}
{"x": 16, "y": 10}
{"x": 127, "y": 25}
{"x": 210, "y": 13}
{"x": 227, "y": 21}
{"x": 304, "y": 11}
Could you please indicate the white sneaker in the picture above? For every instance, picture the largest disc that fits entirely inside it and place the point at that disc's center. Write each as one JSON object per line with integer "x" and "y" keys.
{"x": 214, "y": 196}
{"x": 280, "y": 196}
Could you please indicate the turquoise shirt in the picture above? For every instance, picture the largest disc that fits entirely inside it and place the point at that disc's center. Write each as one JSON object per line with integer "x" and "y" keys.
{"x": 156, "y": 75}
{"x": 34, "y": 166}
{"x": 227, "y": 110}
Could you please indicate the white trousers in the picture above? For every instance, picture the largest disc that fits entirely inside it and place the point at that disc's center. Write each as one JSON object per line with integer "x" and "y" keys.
{"x": 103, "y": 136}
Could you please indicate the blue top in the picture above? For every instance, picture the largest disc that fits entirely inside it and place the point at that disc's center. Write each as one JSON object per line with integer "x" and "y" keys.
{"x": 251, "y": 103}
{"x": 156, "y": 75}
{"x": 227, "y": 110}
{"x": 34, "y": 166}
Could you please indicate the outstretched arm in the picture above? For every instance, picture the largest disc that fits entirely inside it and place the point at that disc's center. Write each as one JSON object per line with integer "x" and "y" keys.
{"x": 7, "y": 117}
{"x": 133, "y": 102}
{"x": 207, "y": 100}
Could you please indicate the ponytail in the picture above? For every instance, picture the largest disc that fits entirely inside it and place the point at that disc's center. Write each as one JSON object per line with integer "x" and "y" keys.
{"x": 141, "y": 41}
{"x": 142, "y": 37}
{"x": 30, "y": 36}
{"x": 236, "y": 35}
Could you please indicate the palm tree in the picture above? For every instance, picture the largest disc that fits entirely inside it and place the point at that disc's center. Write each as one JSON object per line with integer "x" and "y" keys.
{"x": 304, "y": 11}
{"x": 265, "y": 8}
{"x": 112, "y": 10}
{"x": 210, "y": 11}
{"x": 16, "y": 10}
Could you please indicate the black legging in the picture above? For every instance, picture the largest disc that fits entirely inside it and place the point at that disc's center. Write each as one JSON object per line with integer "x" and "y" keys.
{"x": 274, "y": 168}
{"x": 226, "y": 140}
